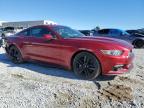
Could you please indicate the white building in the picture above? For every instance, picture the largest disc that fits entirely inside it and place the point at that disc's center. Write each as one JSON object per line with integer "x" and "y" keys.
{"x": 26, "y": 24}
{"x": 1, "y": 23}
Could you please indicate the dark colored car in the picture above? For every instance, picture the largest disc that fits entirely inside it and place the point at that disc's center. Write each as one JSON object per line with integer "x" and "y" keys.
{"x": 86, "y": 32}
{"x": 0, "y": 42}
{"x": 134, "y": 39}
{"x": 136, "y": 32}
{"x": 88, "y": 57}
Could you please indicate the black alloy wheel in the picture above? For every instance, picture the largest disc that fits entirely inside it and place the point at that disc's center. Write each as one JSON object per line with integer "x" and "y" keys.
{"x": 15, "y": 55}
{"x": 86, "y": 66}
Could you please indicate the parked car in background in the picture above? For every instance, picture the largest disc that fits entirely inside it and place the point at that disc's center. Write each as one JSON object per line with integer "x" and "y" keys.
{"x": 88, "y": 57}
{"x": 136, "y": 32}
{"x": 0, "y": 37}
{"x": 86, "y": 32}
{"x": 134, "y": 39}
{"x": 8, "y": 31}
{"x": 0, "y": 31}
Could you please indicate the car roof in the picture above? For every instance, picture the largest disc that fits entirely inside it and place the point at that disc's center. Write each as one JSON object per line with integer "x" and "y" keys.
{"x": 110, "y": 29}
{"x": 48, "y": 26}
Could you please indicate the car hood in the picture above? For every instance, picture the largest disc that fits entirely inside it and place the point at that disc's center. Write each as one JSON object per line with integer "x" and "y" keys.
{"x": 103, "y": 40}
{"x": 138, "y": 35}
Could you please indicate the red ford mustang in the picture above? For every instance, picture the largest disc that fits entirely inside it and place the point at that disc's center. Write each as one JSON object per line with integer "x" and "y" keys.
{"x": 88, "y": 57}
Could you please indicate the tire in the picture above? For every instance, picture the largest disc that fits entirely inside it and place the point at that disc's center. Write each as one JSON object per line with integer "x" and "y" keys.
{"x": 15, "y": 55}
{"x": 139, "y": 44}
{"x": 86, "y": 66}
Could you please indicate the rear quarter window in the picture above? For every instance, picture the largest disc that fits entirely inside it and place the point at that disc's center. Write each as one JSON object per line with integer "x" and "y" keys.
{"x": 24, "y": 33}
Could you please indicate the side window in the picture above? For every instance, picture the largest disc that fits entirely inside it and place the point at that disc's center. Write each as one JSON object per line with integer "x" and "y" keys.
{"x": 45, "y": 31}
{"x": 115, "y": 33}
{"x": 39, "y": 32}
{"x": 24, "y": 33}
{"x": 104, "y": 31}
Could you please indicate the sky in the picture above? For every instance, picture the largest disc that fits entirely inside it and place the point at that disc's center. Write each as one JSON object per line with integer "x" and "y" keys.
{"x": 78, "y": 14}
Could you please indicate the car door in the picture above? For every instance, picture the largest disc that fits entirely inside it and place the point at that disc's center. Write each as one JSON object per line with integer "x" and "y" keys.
{"x": 23, "y": 40}
{"x": 41, "y": 49}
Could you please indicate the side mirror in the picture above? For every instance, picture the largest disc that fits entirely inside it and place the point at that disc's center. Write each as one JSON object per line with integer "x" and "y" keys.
{"x": 48, "y": 36}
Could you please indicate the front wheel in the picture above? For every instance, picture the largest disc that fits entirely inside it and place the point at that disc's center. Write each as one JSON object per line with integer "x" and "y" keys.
{"x": 86, "y": 66}
{"x": 15, "y": 55}
{"x": 139, "y": 44}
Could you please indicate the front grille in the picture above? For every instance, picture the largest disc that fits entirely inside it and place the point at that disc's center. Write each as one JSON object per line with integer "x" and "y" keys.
{"x": 117, "y": 67}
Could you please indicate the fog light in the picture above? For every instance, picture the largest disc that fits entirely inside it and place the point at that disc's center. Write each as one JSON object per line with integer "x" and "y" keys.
{"x": 117, "y": 67}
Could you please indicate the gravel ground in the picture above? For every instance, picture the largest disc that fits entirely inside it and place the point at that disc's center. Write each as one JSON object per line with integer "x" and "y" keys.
{"x": 33, "y": 85}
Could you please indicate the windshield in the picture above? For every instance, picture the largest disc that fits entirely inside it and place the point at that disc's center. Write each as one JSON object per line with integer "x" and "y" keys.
{"x": 67, "y": 32}
{"x": 124, "y": 32}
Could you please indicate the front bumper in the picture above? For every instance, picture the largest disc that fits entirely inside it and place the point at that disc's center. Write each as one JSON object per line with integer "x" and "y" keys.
{"x": 125, "y": 69}
{"x": 109, "y": 64}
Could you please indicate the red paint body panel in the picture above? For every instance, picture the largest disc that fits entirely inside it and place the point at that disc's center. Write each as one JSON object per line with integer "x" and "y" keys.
{"x": 60, "y": 51}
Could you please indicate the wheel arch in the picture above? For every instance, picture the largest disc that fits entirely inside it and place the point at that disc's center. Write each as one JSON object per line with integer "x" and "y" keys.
{"x": 11, "y": 45}
{"x": 80, "y": 51}
{"x": 136, "y": 40}
{"x": 7, "y": 48}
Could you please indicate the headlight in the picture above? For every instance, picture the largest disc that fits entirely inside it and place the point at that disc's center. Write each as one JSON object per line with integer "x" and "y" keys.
{"x": 112, "y": 52}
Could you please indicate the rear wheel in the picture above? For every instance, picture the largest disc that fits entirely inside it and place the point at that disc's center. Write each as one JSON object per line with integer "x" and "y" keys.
{"x": 15, "y": 55}
{"x": 86, "y": 66}
{"x": 139, "y": 44}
